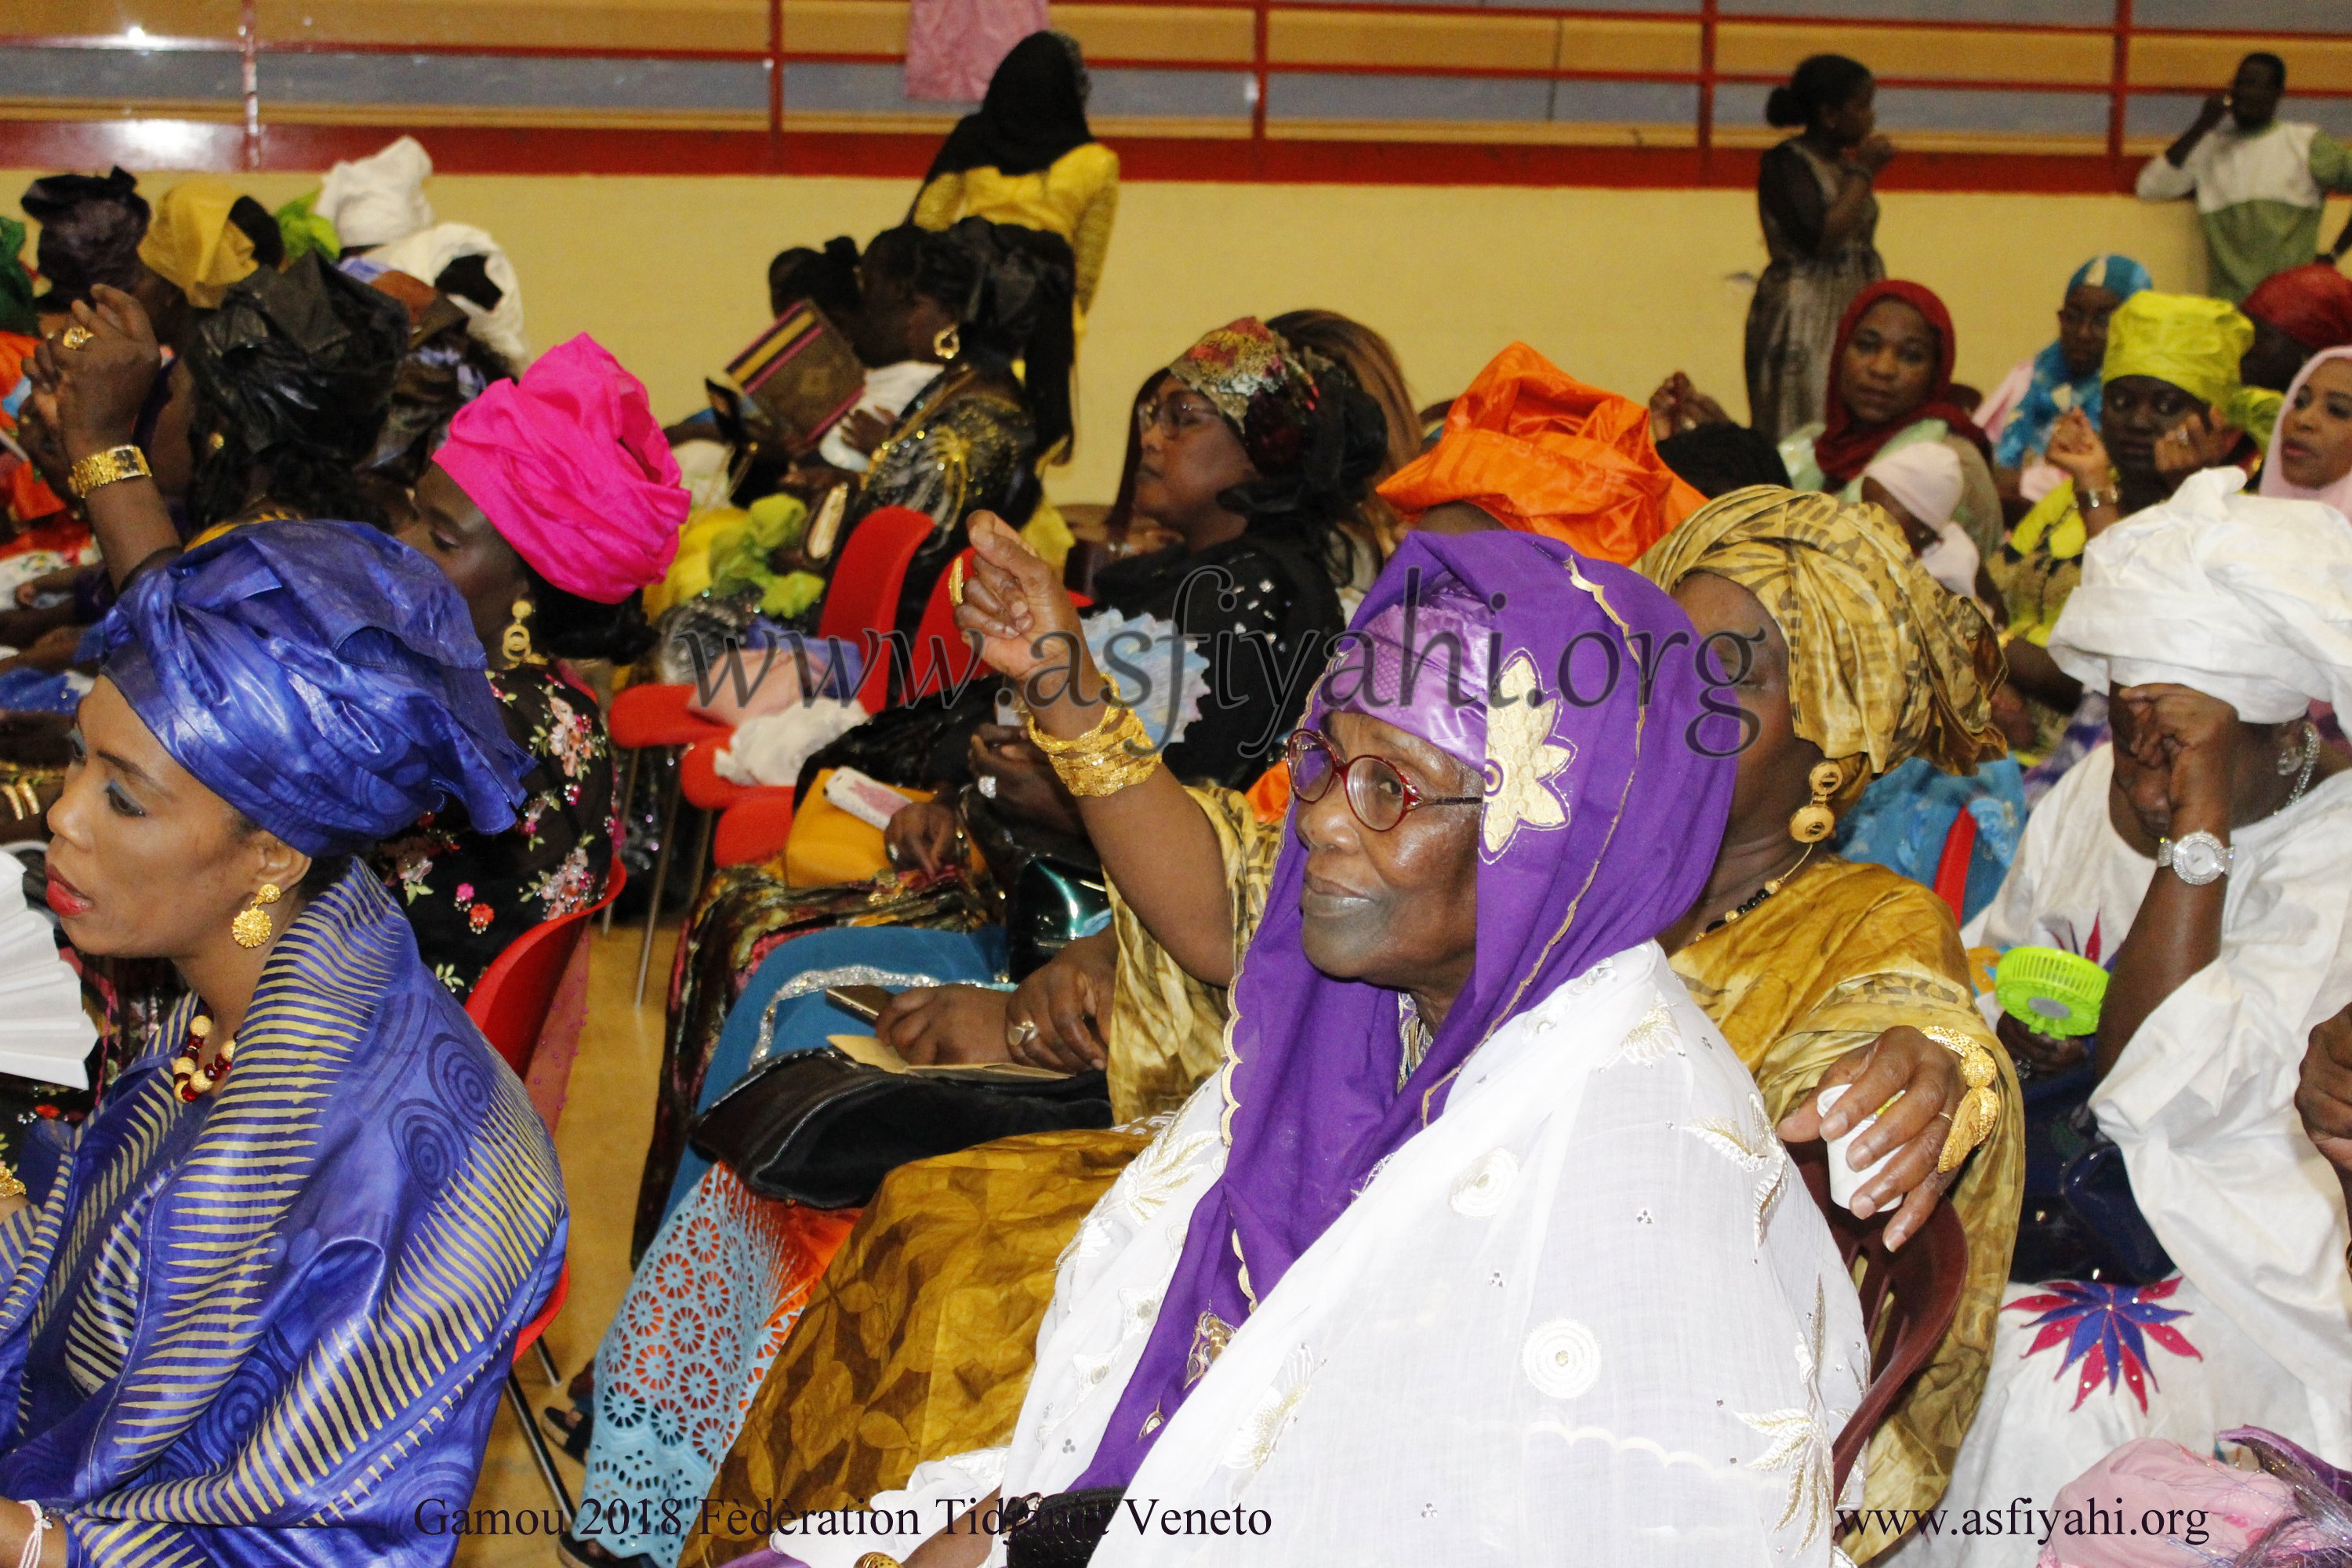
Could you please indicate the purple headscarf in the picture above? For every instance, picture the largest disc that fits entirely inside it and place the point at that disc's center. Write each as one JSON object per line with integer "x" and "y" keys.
{"x": 1599, "y": 825}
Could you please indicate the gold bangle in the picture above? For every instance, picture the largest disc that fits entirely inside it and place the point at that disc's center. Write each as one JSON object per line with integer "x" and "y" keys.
{"x": 1115, "y": 755}
{"x": 10, "y": 1186}
{"x": 1979, "y": 1109}
{"x": 110, "y": 466}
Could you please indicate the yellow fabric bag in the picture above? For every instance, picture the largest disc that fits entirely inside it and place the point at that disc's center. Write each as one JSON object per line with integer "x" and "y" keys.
{"x": 828, "y": 847}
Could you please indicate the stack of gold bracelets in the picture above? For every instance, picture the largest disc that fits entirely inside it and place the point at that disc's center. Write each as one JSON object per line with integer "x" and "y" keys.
{"x": 1979, "y": 1109}
{"x": 1115, "y": 755}
{"x": 20, "y": 787}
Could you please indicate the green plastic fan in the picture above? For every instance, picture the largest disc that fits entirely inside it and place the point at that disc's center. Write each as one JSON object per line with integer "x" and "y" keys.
{"x": 2048, "y": 991}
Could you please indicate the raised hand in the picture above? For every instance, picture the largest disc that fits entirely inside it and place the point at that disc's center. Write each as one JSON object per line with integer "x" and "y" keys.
{"x": 93, "y": 392}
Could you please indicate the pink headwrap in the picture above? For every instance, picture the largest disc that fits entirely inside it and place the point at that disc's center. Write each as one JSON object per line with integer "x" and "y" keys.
{"x": 2275, "y": 480}
{"x": 569, "y": 466}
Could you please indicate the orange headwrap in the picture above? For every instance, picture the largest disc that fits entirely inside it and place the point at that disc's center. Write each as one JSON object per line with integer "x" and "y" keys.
{"x": 1547, "y": 454}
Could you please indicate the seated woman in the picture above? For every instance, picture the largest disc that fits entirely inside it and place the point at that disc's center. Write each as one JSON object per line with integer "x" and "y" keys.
{"x": 1027, "y": 157}
{"x": 552, "y": 502}
{"x": 1456, "y": 1047}
{"x": 2311, "y": 453}
{"x": 1884, "y": 964}
{"x": 2018, "y": 415}
{"x": 1256, "y": 513}
{"x": 2171, "y": 359}
{"x": 2296, "y": 313}
{"x": 1890, "y": 384}
{"x": 263, "y": 1312}
{"x": 1823, "y": 970}
{"x": 2205, "y": 859}
{"x": 973, "y": 300}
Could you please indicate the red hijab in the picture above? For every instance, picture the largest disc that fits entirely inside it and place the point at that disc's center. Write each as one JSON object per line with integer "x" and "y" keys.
{"x": 1846, "y": 447}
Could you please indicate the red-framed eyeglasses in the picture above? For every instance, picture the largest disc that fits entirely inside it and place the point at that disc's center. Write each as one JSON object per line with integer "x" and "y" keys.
{"x": 1379, "y": 796}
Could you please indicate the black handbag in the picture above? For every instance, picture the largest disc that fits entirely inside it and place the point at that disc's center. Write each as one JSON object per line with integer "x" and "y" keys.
{"x": 1060, "y": 1530}
{"x": 821, "y": 1128}
{"x": 2080, "y": 1219}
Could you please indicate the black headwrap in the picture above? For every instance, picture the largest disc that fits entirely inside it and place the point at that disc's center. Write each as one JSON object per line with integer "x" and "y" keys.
{"x": 292, "y": 373}
{"x": 1034, "y": 112}
{"x": 90, "y": 229}
{"x": 1011, "y": 289}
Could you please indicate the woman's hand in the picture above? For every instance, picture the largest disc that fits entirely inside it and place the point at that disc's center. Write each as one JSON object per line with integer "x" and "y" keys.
{"x": 2044, "y": 1055}
{"x": 2201, "y": 441}
{"x": 1015, "y": 777}
{"x": 61, "y": 581}
{"x": 95, "y": 392}
{"x": 1012, "y": 599}
{"x": 944, "y": 1024}
{"x": 2324, "y": 1095}
{"x": 1874, "y": 153}
{"x": 863, "y": 430}
{"x": 52, "y": 652}
{"x": 1057, "y": 1016}
{"x": 1923, "y": 1080}
{"x": 923, "y": 834}
{"x": 2076, "y": 451}
{"x": 2190, "y": 742}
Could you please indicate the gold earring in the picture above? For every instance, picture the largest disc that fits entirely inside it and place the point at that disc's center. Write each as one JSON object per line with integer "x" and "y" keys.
{"x": 252, "y": 926}
{"x": 1815, "y": 821}
{"x": 516, "y": 643}
{"x": 947, "y": 342}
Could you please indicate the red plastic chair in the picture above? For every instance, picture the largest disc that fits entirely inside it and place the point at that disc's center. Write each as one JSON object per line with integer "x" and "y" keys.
{"x": 1908, "y": 1297}
{"x": 864, "y": 592}
{"x": 942, "y": 653}
{"x": 753, "y": 829}
{"x": 510, "y": 1003}
{"x": 645, "y": 717}
{"x": 1952, "y": 865}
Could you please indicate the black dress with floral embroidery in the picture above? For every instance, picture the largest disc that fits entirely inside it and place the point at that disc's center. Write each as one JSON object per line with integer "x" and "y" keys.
{"x": 467, "y": 894}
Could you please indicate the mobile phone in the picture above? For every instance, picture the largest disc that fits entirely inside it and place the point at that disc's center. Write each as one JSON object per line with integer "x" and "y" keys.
{"x": 861, "y": 1002}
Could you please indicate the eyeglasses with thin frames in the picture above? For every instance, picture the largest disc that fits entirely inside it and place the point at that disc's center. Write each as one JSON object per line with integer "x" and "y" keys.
{"x": 1379, "y": 796}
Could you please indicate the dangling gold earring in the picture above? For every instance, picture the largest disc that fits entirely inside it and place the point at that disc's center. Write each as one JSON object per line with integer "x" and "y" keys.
{"x": 252, "y": 926}
{"x": 1815, "y": 821}
{"x": 516, "y": 643}
{"x": 947, "y": 342}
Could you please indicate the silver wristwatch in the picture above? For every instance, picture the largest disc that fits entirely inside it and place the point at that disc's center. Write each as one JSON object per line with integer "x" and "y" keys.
{"x": 2197, "y": 858}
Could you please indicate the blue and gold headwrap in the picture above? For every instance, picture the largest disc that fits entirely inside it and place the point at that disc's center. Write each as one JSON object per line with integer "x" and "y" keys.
{"x": 322, "y": 679}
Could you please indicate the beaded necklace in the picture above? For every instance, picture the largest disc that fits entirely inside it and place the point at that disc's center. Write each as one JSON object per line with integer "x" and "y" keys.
{"x": 188, "y": 1081}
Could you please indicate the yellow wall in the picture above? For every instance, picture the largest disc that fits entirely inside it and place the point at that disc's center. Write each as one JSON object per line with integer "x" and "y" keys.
{"x": 1619, "y": 286}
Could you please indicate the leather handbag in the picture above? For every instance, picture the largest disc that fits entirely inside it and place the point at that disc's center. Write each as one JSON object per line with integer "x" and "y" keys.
{"x": 820, "y": 1128}
{"x": 1060, "y": 1530}
{"x": 2080, "y": 1220}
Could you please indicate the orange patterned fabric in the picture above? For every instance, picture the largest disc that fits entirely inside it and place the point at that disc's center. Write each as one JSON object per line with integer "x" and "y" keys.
{"x": 1547, "y": 454}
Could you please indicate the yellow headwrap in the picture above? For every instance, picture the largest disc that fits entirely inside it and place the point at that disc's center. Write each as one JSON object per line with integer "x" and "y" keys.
{"x": 2189, "y": 340}
{"x": 1882, "y": 660}
{"x": 192, "y": 243}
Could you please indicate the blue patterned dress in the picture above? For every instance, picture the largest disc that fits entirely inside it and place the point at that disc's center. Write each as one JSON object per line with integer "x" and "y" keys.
{"x": 272, "y": 1326}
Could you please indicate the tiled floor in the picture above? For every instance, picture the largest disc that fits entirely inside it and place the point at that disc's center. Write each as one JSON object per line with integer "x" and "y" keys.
{"x": 602, "y": 1142}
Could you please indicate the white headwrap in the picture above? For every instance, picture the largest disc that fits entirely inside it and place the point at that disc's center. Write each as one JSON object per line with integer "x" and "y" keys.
{"x": 1925, "y": 477}
{"x": 2238, "y": 596}
{"x": 380, "y": 198}
{"x": 424, "y": 256}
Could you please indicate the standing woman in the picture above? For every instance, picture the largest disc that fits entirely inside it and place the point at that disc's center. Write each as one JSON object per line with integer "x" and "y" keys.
{"x": 263, "y": 1312}
{"x": 1821, "y": 223}
{"x": 1029, "y": 158}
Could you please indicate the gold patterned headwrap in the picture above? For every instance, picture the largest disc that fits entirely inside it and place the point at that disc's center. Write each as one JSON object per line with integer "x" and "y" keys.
{"x": 193, "y": 241}
{"x": 1882, "y": 660}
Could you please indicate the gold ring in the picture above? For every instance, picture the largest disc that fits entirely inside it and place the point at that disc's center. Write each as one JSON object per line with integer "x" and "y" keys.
{"x": 75, "y": 337}
{"x": 955, "y": 582}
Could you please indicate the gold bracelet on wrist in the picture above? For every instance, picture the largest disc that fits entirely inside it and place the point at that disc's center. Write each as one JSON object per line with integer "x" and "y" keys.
{"x": 1115, "y": 755}
{"x": 110, "y": 466}
{"x": 1979, "y": 1109}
